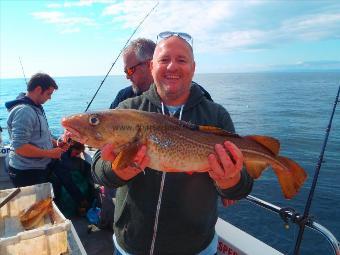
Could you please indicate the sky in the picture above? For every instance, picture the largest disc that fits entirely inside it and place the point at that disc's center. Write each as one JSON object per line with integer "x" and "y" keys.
{"x": 84, "y": 38}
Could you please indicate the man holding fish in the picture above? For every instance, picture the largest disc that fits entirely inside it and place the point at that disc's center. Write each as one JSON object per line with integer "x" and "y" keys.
{"x": 136, "y": 59}
{"x": 174, "y": 211}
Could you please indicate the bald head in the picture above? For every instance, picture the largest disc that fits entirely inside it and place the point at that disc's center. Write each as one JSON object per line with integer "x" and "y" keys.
{"x": 172, "y": 68}
{"x": 175, "y": 38}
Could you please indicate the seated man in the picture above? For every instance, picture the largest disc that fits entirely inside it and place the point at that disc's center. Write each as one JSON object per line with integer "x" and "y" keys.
{"x": 75, "y": 181}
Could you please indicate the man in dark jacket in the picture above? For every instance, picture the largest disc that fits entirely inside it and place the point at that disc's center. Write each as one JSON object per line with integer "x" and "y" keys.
{"x": 136, "y": 58}
{"x": 173, "y": 213}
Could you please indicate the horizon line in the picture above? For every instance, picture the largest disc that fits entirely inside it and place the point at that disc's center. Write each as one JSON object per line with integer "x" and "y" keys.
{"x": 250, "y": 72}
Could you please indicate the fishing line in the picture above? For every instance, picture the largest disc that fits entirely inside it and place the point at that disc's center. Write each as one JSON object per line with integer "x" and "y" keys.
{"x": 22, "y": 68}
{"x": 305, "y": 217}
{"x": 159, "y": 202}
{"x": 101, "y": 84}
{"x": 2, "y": 128}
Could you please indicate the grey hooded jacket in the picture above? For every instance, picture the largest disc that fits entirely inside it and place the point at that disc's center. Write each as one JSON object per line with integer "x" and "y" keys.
{"x": 27, "y": 124}
{"x": 188, "y": 211}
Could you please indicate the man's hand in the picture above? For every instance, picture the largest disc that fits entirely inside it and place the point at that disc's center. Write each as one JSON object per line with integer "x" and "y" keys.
{"x": 55, "y": 152}
{"x": 107, "y": 153}
{"x": 227, "y": 202}
{"x": 61, "y": 143}
{"x": 225, "y": 171}
{"x": 138, "y": 165}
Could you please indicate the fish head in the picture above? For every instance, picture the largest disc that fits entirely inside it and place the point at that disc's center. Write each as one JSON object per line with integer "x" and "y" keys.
{"x": 97, "y": 129}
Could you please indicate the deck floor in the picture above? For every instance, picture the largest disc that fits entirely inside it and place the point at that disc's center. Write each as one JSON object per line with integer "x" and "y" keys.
{"x": 95, "y": 242}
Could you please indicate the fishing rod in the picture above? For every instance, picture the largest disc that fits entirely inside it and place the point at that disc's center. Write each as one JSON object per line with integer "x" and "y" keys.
{"x": 304, "y": 220}
{"x": 2, "y": 128}
{"x": 101, "y": 84}
{"x": 305, "y": 217}
{"x": 22, "y": 68}
{"x": 287, "y": 213}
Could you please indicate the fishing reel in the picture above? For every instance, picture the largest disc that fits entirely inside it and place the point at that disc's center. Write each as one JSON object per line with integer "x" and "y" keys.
{"x": 288, "y": 213}
{"x": 61, "y": 141}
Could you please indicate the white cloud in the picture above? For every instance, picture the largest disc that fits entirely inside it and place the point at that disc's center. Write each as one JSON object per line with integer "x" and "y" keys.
{"x": 214, "y": 25}
{"x": 54, "y": 5}
{"x": 70, "y": 30}
{"x": 65, "y": 24}
{"x": 198, "y": 18}
{"x": 313, "y": 27}
{"x": 60, "y": 18}
{"x": 81, "y": 3}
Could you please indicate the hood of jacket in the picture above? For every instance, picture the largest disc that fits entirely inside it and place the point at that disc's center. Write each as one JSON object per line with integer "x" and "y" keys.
{"x": 196, "y": 96}
{"x": 21, "y": 99}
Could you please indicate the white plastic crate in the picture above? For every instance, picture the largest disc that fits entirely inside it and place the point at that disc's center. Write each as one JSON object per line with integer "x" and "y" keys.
{"x": 45, "y": 239}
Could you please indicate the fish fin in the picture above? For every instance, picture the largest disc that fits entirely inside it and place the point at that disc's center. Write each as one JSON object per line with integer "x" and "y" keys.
{"x": 255, "y": 168}
{"x": 291, "y": 176}
{"x": 270, "y": 143}
{"x": 126, "y": 156}
{"x": 216, "y": 131}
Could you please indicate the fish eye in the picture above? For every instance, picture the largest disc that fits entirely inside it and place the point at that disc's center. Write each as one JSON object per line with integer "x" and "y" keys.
{"x": 94, "y": 120}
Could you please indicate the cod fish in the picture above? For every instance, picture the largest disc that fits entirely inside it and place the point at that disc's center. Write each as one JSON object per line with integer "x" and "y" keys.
{"x": 178, "y": 146}
{"x": 33, "y": 215}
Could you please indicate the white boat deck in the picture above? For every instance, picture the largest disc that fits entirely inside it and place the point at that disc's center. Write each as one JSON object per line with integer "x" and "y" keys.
{"x": 234, "y": 241}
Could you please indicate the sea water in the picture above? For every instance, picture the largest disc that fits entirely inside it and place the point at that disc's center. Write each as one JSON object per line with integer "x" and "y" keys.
{"x": 292, "y": 107}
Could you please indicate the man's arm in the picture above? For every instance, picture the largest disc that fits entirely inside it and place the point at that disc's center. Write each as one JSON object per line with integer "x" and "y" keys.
{"x": 102, "y": 172}
{"x": 240, "y": 190}
{"x": 31, "y": 151}
{"x": 119, "y": 98}
{"x": 241, "y": 183}
{"x": 115, "y": 103}
{"x": 231, "y": 180}
{"x": 22, "y": 129}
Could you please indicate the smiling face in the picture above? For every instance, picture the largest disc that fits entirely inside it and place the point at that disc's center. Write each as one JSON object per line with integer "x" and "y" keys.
{"x": 173, "y": 67}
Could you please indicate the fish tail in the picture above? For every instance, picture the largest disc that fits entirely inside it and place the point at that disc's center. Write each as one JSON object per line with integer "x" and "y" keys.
{"x": 291, "y": 176}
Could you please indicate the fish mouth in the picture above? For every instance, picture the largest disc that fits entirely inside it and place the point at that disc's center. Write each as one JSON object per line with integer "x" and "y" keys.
{"x": 72, "y": 133}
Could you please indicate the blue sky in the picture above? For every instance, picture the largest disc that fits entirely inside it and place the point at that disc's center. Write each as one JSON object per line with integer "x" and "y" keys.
{"x": 75, "y": 38}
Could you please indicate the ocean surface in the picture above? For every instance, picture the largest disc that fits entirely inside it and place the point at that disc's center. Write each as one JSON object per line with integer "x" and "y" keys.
{"x": 292, "y": 107}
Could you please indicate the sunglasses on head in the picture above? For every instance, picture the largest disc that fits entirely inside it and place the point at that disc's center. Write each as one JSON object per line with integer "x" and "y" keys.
{"x": 184, "y": 36}
{"x": 131, "y": 70}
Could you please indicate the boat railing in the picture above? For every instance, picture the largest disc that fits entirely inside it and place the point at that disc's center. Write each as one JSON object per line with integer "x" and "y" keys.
{"x": 290, "y": 215}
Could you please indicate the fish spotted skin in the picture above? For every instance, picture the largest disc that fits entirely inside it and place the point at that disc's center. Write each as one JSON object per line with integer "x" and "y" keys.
{"x": 33, "y": 215}
{"x": 178, "y": 146}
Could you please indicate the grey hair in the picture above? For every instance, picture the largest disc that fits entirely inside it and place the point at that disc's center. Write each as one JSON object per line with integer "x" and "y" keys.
{"x": 143, "y": 48}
